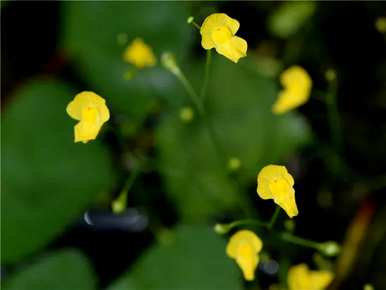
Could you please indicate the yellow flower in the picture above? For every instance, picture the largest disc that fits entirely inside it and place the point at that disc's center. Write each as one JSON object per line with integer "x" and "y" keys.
{"x": 218, "y": 31}
{"x": 91, "y": 111}
{"x": 139, "y": 54}
{"x": 274, "y": 182}
{"x": 301, "y": 278}
{"x": 244, "y": 247}
{"x": 297, "y": 88}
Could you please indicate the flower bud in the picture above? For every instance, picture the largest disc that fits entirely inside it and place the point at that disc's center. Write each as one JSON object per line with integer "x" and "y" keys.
{"x": 330, "y": 248}
{"x": 169, "y": 62}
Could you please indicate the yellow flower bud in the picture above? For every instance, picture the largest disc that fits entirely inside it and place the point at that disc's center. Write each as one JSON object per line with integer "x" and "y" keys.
{"x": 218, "y": 31}
{"x": 301, "y": 278}
{"x": 139, "y": 54}
{"x": 244, "y": 246}
{"x": 274, "y": 182}
{"x": 297, "y": 89}
{"x": 91, "y": 111}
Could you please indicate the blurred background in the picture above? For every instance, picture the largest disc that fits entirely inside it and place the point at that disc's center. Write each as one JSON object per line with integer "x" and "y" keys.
{"x": 58, "y": 230}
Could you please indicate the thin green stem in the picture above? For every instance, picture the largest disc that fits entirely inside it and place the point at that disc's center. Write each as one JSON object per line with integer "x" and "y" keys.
{"x": 196, "y": 25}
{"x": 191, "y": 92}
{"x": 206, "y": 76}
{"x": 120, "y": 203}
{"x": 299, "y": 241}
{"x": 197, "y": 101}
{"x": 333, "y": 116}
{"x": 274, "y": 218}
{"x": 246, "y": 222}
{"x": 285, "y": 236}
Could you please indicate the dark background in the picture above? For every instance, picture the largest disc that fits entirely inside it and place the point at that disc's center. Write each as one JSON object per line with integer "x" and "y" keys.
{"x": 342, "y": 36}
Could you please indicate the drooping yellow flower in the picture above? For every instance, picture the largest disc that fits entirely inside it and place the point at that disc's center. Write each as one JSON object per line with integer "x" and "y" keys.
{"x": 297, "y": 89}
{"x": 139, "y": 54}
{"x": 218, "y": 31}
{"x": 301, "y": 278}
{"x": 274, "y": 182}
{"x": 244, "y": 246}
{"x": 91, "y": 111}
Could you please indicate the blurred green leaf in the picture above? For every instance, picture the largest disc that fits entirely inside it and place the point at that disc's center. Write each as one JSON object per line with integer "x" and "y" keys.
{"x": 63, "y": 270}
{"x": 92, "y": 31}
{"x": 290, "y": 17}
{"x": 239, "y": 106}
{"x": 194, "y": 259}
{"x": 47, "y": 179}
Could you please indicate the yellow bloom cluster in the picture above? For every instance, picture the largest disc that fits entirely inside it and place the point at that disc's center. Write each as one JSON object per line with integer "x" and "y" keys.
{"x": 218, "y": 31}
{"x": 301, "y": 278}
{"x": 91, "y": 112}
{"x": 244, "y": 247}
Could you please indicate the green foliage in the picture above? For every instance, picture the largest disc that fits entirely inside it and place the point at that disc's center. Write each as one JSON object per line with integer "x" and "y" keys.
{"x": 91, "y": 30}
{"x": 47, "y": 179}
{"x": 239, "y": 107}
{"x": 194, "y": 259}
{"x": 290, "y": 17}
{"x": 63, "y": 270}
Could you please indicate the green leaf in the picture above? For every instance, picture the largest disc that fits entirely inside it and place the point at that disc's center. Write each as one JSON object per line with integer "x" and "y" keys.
{"x": 91, "y": 30}
{"x": 239, "y": 107}
{"x": 290, "y": 17}
{"x": 62, "y": 270}
{"x": 194, "y": 259}
{"x": 47, "y": 179}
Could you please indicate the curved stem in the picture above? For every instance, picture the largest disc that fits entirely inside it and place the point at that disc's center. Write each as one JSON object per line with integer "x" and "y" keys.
{"x": 299, "y": 241}
{"x": 191, "y": 92}
{"x": 120, "y": 203}
{"x": 246, "y": 222}
{"x": 274, "y": 218}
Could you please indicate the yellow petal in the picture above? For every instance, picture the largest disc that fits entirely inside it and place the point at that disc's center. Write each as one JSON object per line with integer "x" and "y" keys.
{"x": 247, "y": 260}
{"x": 244, "y": 247}
{"x": 234, "y": 49}
{"x": 139, "y": 54}
{"x": 321, "y": 279}
{"x": 87, "y": 99}
{"x": 219, "y": 19}
{"x": 296, "y": 89}
{"x": 274, "y": 182}
{"x": 86, "y": 131}
{"x": 285, "y": 198}
{"x": 215, "y": 21}
{"x": 301, "y": 278}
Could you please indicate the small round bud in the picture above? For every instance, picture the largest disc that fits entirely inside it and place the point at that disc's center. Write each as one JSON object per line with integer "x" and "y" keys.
{"x": 330, "y": 75}
{"x": 221, "y": 229}
{"x": 169, "y": 62}
{"x": 289, "y": 225}
{"x": 186, "y": 114}
{"x": 368, "y": 286}
{"x": 234, "y": 163}
{"x": 380, "y": 24}
{"x": 330, "y": 248}
{"x": 128, "y": 75}
{"x": 118, "y": 206}
{"x": 190, "y": 19}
